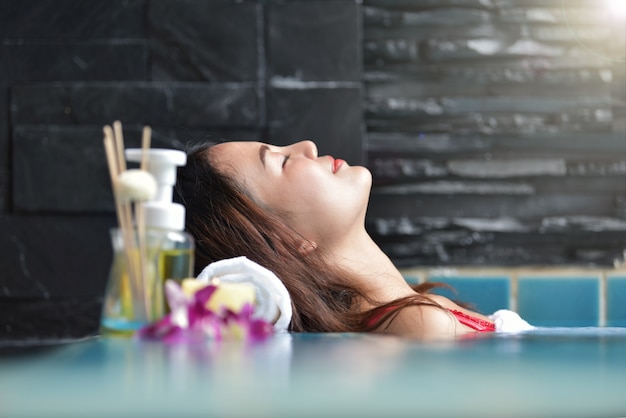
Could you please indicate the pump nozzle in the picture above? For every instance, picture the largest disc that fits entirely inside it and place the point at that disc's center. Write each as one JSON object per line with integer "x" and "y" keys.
{"x": 161, "y": 212}
{"x": 162, "y": 165}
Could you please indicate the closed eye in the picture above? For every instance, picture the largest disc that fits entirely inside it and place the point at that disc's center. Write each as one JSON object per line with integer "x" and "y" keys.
{"x": 285, "y": 160}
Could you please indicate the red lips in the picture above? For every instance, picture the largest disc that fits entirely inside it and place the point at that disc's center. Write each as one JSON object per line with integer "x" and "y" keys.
{"x": 336, "y": 164}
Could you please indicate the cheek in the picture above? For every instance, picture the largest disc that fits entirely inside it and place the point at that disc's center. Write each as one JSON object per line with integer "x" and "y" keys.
{"x": 309, "y": 204}
{"x": 287, "y": 198}
{"x": 312, "y": 193}
{"x": 342, "y": 199}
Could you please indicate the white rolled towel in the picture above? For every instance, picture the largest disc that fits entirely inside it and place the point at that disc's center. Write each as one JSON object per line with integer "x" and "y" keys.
{"x": 509, "y": 321}
{"x": 272, "y": 299}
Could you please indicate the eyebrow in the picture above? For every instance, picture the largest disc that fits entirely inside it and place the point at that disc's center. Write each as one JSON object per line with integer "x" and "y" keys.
{"x": 262, "y": 151}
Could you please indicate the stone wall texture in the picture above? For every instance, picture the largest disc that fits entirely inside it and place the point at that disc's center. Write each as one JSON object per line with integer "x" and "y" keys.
{"x": 495, "y": 129}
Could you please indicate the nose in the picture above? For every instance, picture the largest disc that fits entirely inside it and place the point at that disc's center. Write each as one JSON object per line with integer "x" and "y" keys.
{"x": 306, "y": 148}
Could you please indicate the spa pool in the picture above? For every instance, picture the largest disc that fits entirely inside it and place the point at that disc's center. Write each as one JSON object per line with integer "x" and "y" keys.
{"x": 573, "y": 372}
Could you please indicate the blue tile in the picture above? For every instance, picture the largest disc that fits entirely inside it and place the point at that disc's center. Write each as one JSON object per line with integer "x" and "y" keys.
{"x": 559, "y": 301}
{"x": 616, "y": 301}
{"x": 486, "y": 294}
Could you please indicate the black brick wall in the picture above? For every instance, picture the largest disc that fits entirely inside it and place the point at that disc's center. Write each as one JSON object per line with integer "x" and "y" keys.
{"x": 495, "y": 129}
{"x": 274, "y": 71}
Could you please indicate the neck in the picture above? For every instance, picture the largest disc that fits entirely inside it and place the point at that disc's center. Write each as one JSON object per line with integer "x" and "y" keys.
{"x": 376, "y": 274}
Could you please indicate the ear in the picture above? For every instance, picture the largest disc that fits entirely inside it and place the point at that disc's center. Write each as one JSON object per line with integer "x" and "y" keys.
{"x": 307, "y": 247}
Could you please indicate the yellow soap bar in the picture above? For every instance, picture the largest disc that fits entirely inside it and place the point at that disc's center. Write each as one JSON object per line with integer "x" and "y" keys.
{"x": 191, "y": 286}
{"x": 230, "y": 295}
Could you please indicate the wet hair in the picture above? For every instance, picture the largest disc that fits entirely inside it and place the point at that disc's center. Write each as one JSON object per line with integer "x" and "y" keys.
{"x": 226, "y": 221}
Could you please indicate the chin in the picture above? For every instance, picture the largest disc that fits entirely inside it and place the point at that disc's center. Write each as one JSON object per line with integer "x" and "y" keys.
{"x": 366, "y": 177}
{"x": 364, "y": 184}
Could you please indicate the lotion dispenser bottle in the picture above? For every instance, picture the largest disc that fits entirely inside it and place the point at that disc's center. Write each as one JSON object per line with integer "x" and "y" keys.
{"x": 175, "y": 259}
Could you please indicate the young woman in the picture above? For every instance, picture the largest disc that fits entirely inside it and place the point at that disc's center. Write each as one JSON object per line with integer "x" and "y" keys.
{"x": 302, "y": 216}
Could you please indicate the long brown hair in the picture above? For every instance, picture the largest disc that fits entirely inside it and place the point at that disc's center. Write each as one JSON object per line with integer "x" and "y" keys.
{"x": 226, "y": 221}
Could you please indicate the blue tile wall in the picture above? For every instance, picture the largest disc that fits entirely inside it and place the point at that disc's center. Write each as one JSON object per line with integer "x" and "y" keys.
{"x": 616, "y": 301}
{"x": 551, "y": 298}
{"x": 569, "y": 301}
{"x": 486, "y": 294}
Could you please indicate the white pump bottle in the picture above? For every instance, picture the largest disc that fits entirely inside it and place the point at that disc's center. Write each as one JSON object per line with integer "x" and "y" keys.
{"x": 165, "y": 218}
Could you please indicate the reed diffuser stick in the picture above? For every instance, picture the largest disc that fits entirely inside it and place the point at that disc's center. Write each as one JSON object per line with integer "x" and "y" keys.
{"x": 109, "y": 148}
{"x": 126, "y": 206}
{"x": 145, "y": 146}
{"x": 141, "y": 226}
{"x": 119, "y": 145}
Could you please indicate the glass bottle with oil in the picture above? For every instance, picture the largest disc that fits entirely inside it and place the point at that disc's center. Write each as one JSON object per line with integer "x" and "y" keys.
{"x": 134, "y": 294}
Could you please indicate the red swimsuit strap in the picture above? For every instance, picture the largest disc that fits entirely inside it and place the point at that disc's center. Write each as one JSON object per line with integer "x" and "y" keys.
{"x": 478, "y": 324}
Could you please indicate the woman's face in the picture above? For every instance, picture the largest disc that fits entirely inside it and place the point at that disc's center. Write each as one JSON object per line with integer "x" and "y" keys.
{"x": 322, "y": 198}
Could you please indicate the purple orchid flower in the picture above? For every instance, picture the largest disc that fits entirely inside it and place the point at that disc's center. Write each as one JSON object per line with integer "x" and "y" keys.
{"x": 190, "y": 320}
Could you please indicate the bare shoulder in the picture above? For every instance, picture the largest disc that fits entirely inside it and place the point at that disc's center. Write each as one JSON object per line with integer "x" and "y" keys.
{"x": 447, "y": 303}
{"x": 427, "y": 322}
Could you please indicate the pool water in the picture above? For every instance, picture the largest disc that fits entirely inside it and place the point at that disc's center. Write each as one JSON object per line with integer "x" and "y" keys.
{"x": 564, "y": 372}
